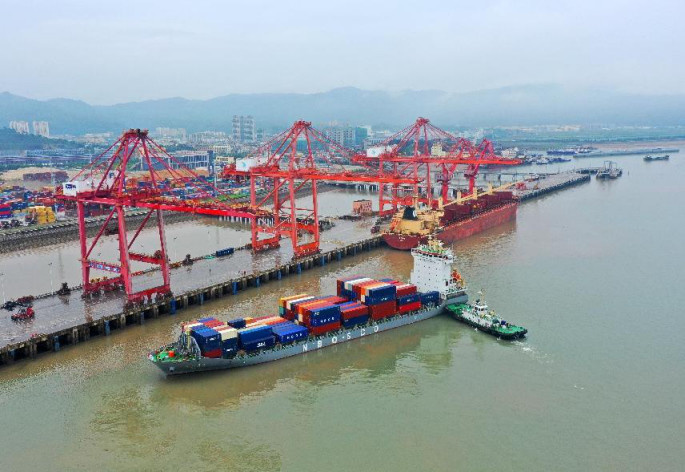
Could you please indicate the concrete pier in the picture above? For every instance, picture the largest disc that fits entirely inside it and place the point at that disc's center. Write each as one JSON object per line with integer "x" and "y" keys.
{"x": 552, "y": 183}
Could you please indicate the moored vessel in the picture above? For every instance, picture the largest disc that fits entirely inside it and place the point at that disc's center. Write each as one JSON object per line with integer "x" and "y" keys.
{"x": 609, "y": 171}
{"x": 362, "y": 306}
{"x": 459, "y": 219}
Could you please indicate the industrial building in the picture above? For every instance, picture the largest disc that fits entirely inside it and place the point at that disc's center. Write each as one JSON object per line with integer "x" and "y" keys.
{"x": 244, "y": 129}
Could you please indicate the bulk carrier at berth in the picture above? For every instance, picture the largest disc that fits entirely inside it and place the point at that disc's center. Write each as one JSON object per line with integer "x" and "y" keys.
{"x": 363, "y": 306}
{"x": 453, "y": 221}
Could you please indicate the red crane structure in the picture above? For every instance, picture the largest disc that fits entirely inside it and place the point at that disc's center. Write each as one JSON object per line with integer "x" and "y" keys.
{"x": 409, "y": 153}
{"x": 105, "y": 183}
{"x": 297, "y": 158}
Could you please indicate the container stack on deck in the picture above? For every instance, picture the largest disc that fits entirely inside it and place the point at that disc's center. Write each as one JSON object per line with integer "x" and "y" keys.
{"x": 358, "y": 299}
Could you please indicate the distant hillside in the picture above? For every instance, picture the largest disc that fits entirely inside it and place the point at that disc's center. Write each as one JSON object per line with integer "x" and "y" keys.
{"x": 10, "y": 140}
{"x": 522, "y": 105}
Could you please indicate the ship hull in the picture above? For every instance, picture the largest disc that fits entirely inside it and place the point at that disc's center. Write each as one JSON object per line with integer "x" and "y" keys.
{"x": 478, "y": 223}
{"x": 403, "y": 242}
{"x": 458, "y": 230}
{"x": 311, "y": 344}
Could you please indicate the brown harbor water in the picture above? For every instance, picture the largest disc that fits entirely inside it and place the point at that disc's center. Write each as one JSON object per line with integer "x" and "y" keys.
{"x": 593, "y": 272}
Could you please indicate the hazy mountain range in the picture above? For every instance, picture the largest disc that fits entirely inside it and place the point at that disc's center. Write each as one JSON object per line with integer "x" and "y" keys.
{"x": 520, "y": 105}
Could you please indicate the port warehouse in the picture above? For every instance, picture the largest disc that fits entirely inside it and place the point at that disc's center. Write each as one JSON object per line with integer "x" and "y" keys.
{"x": 49, "y": 342}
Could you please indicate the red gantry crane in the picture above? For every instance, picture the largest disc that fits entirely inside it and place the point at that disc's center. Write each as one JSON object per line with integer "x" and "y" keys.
{"x": 409, "y": 153}
{"x": 105, "y": 183}
{"x": 297, "y": 158}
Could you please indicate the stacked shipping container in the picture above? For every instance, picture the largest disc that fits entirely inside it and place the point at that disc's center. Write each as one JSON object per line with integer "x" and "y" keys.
{"x": 359, "y": 298}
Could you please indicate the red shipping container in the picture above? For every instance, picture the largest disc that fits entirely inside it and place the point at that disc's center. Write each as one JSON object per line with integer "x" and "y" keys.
{"x": 410, "y": 307}
{"x": 357, "y": 289}
{"x": 383, "y": 310}
{"x": 338, "y": 300}
{"x": 289, "y": 315}
{"x": 406, "y": 289}
{"x": 275, "y": 322}
{"x": 354, "y": 312}
{"x": 214, "y": 354}
{"x": 305, "y": 307}
{"x": 213, "y": 323}
{"x": 318, "y": 330}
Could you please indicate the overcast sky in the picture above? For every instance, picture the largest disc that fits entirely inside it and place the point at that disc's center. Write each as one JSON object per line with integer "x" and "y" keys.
{"x": 107, "y": 52}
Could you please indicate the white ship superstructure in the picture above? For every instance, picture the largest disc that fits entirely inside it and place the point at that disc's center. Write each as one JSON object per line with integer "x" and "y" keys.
{"x": 479, "y": 314}
{"x": 434, "y": 270}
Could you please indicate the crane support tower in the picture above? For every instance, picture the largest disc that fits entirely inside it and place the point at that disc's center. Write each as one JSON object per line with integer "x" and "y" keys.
{"x": 105, "y": 183}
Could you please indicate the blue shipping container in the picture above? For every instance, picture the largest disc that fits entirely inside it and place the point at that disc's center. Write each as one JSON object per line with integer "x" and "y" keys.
{"x": 288, "y": 334}
{"x": 414, "y": 297}
{"x": 229, "y": 347}
{"x": 251, "y": 334}
{"x": 208, "y": 339}
{"x": 325, "y": 311}
{"x": 237, "y": 323}
{"x": 430, "y": 297}
{"x": 370, "y": 301}
{"x": 355, "y": 321}
{"x": 262, "y": 343}
{"x": 324, "y": 320}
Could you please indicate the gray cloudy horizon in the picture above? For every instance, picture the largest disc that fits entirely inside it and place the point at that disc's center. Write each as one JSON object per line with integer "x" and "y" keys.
{"x": 111, "y": 52}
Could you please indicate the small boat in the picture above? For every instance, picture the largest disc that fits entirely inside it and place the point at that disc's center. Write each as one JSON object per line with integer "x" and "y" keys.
{"x": 24, "y": 314}
{"x": 649, "y": 158}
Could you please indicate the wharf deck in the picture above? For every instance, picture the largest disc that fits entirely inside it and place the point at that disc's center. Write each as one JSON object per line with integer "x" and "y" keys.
{"x": 81, "y": 318}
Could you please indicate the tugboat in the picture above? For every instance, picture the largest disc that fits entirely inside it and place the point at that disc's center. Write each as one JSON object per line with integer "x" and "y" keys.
{"x": 478, "y": 316}
{"x": 24, "y": 314}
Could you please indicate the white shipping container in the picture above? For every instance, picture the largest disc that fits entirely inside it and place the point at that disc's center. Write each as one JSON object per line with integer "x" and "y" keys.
{"x": 290, "y": 302}
{"x": 229, "y": 333}
{"x": 350, "y": 283}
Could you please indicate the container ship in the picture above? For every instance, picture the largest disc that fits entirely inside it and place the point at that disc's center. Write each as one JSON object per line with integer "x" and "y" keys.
{"x": 362, "y": 306}
{"x": 456, "y": 220}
